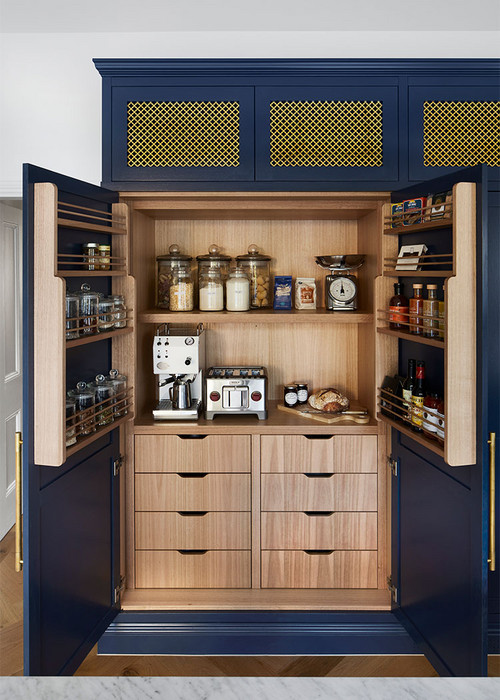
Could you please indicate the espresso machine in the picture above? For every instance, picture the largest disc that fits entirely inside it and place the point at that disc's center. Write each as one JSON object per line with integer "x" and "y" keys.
{"x": 178, "y": 361}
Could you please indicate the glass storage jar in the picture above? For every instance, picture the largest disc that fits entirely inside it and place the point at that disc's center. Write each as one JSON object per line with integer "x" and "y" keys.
{"x": 85, "y": 409}
{"x": 214, "y": 260}
{"x": 167, "y": 265}
{"x": 257, "y": 268}
{"x": 119, "y": 382}
{"x": 70, "y": 421}
{"x": 104, "y": 400}
{"x": 106, "y": 314}
{"x": 181, "y": 291}
{"x": 120, "y": 310}
{"x": 211, "y": 290}
{"x": 238, "y": 291}
{"x": 89, "y": 310}
{"x": 91, "y": 256}
{"x": 104, "y": 257}
{"x": 72, "y": 316}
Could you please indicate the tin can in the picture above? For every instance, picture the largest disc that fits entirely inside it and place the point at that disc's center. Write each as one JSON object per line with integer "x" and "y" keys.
{"x": 290, "y": 395}
{"x": 302, "y": 392}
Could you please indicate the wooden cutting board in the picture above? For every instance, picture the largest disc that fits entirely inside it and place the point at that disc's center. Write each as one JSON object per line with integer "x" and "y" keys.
{"x": 357, "y": 414}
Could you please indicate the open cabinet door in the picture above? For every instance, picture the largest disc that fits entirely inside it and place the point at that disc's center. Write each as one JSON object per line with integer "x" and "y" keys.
{"x": 70, "y": 494}
{"x": 442, "y": 533}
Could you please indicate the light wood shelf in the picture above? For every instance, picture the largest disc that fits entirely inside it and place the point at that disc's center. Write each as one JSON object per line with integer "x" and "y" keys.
{"x": 256, "y": 316}
{"x": 418, "y": 273}
{"x": 432, "y": 445}
{"x": 99, "y": 433}
{"x": 92, "y": 273}
{"x": 416, "y": 228}
{"x": 406, "y": 335}
{"x": 98, "y": 336}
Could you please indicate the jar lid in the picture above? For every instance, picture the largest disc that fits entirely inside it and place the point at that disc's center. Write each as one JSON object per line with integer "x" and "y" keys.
{"x": 90, "y": 245}
{"x": 115, "y": 375}
{"x": 237, "y": 272}
{"x": 104, "y": 247}
{"x": 85, "y": 291}
{"x": 83, "y": 389}
{"x": 174, "y": 253}
{"x": 432, "y": 286}
{"x": 253, "y": 254}
{"x": 214, "y": 254}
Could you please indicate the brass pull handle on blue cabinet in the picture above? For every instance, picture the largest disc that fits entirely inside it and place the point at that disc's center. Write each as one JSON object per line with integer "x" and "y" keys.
{"x": 19, "y": 524}
{"x": 492, "y": 556}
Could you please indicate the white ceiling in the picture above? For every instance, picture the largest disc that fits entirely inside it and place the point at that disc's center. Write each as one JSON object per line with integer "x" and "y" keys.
{"x": 45, "y": 16}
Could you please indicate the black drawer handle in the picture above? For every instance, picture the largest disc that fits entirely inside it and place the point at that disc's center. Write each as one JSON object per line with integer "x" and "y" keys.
{"x": 192, "y": 475}
{"x": 192, "y": 437}
{"x": 313, "y": 552}
{"x": 192, "y": 513}
{"x": 318, "y": 475}
{"x": 318, "y": 513}
{"x": 192, "y": 551}
{"x": 319, "y": 437}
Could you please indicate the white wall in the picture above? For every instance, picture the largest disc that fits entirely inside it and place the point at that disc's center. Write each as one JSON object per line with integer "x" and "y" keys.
{"x": 50, "y": 92}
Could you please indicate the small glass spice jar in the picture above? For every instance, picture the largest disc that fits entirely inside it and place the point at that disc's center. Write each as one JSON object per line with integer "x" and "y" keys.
{"x": 72, "y": 316}
{"x": 85, "y": 407}
{"x": 166, "y": 266}
{"x": 181, "y": 291}
{"x": 106, "y": 314}
{"x": 119, "y": 382}
{"x": 120, "y": 310}
{"x": 104, "y": 399}
{"x": 89, "y": 310}
{"x": 211, "y": 290}
{"x": 257, "y": 268}
{"x": 91, "y": 259}
{"x": 104, "y": 257}
{"x": 70, "y": 421}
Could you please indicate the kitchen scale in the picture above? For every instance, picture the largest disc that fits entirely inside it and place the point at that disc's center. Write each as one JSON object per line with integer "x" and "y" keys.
{"x": 341, "y": 288}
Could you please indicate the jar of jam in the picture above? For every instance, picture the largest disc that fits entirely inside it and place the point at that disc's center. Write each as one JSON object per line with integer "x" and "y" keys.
{"x": 290, "y": 395}
{"x": 302, "y": 392}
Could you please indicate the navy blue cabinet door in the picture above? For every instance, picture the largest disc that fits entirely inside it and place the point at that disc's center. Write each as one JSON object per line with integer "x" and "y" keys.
{"x": 453, "y": 126}
{"x": 441, "y": 533}
{"x": 71, "y": 512}
{"x": 182, "y": 134}
{"x": 327, "y": 133}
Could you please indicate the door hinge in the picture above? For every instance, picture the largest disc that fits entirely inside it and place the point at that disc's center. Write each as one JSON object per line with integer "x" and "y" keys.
{"x": 393, "y": 465}
{"x": 393, "y": 589}
{"x": 118, "y": 464}
{"x": 119, "y": 589}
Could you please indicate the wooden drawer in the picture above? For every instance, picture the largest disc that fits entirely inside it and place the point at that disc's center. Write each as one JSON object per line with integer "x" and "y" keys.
{"x": 332, "y": 531}
{"x": 192, "y": 531}
{"x": 298, "y": 569}
{"x": 174, "y": 492}
{"x": 209, "y": 453}
{"x": 209, "y": 569}
{"x": 349, "y": 492}
{"x": 337, "y": 453}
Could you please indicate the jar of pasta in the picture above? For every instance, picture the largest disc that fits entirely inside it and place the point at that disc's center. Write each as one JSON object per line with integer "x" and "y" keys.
{"x": 181, "y": 291}
{"x": 167, "y": 265}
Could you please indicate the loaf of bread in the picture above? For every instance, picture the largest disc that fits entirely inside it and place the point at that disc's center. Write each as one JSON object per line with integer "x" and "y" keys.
{"x": 329, "y": 400}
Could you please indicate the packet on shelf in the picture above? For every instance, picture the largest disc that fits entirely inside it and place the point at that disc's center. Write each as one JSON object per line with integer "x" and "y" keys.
{"x": 283, "y": 292}
{"x": 305, "y": 293}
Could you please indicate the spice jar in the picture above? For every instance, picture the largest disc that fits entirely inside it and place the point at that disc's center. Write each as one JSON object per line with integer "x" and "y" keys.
{"x": 91, "y": 253}
{"x": 106, "y": 314}
{"x": 181, "y": 291}
{"x": 441, "y": 317}
{"x": 166, "y": 266}
{"x": 430, "y": 416}
{"x": 257, "y": 267}
{"x": 104, "y": 399}
{"x": 89, "y": 310}
{"x": 440, "y": 430}
{"x": 70, "y": 421}
{"x": 120, "y": 310}
{"x": 431, "y": 309}
{"x": 214, "y": 260}
{"x": 72, "y": 316}
{"x": 104, "y": 257}
{"x": 84, "y": 404}
{"x": 119, "y": 382}
{"x": 211, "y": 290}
{"x": 238, "y": 291}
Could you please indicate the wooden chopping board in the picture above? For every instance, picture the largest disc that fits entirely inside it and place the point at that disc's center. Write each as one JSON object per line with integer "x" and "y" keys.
{"x": 357, "y": 414}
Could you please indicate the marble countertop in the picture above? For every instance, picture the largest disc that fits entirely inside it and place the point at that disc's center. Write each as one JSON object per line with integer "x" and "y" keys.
{"x": 204, "y": 688}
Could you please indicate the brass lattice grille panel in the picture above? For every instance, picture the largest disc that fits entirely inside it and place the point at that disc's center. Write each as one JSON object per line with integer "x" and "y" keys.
{"x": 461, "y": 133}
{"x": 183, "y": 134}
{"x": 326, "y": 133}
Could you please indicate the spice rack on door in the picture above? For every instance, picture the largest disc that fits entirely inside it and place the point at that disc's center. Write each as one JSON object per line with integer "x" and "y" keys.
{"x": 459, "y": 332}
{"x": 50, "y": 345}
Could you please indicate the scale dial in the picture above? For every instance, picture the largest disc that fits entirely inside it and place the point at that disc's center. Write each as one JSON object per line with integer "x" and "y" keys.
{"x": 342, "y": 290}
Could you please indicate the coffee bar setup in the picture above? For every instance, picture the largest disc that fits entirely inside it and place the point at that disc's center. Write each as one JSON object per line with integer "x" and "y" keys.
{"x": 259, "y": 415}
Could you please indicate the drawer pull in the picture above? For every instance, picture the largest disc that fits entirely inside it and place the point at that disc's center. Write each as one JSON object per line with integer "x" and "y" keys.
{"x": 192, "y": 551}
{"x": 319, "y": 437}
{"x": 193, "y": 513}
{"x": 192, "y": 437}
{"x": 318, "y": 475}
{"x": 318, "y": 513}
{"x": 313, "y": 552}
{"x": 192, "y": 475}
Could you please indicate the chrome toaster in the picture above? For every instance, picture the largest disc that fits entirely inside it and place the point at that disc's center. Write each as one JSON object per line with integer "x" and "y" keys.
{"x": 236, "y": 391}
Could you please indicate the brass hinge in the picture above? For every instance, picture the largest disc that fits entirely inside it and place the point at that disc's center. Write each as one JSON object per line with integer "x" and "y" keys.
{"x": 119, "y": 589}
{"x": 393, "y": 589}
{"x": 393, "y": 465}
{"x": 118, "y": 464}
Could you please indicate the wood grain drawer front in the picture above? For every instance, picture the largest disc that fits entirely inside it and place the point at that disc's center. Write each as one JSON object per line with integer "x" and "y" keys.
{"x": 195, "y": 530}
{"x": 298, "y": 569}
{"x": 339, "y": 492}
{"x": 211, "y": 453}
{"x": 315, "y": 531}
{"x": 209, "y": 569}
{"x": 174, "y": 492}
{"x": 337, "y": 453}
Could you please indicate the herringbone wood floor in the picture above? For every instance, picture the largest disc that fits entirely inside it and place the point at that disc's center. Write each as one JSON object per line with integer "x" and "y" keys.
{"x": 11, "y": 650}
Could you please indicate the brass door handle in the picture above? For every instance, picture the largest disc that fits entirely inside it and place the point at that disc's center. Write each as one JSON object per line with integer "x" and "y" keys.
{"x": 19, "y": 524}
{"x": 492, "y": 557}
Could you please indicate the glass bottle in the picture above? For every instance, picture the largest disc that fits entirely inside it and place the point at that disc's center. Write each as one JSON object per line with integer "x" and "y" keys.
{"x": 106, "y": 314}
{"x": 408, "y": 385}
{"x": 398, "y": 309}
{"x": 85, "y": 409}
{"x": 257, "y": 267}
{"x": 211, "y": 290}
{"x": 441, "y": 317}
{"x": 119, "y": 382}
{"x": 430, "y": 417}
{"x": 214, "y": 260}
{"x": 238, "y": 291}
{"x": 104, "y": 399}
{"x": 91, "y": 259}
{"x": 417, "y": 398}
{"x": 181, "y": 291}
{"x": 120, "y": 310}
{"x": 70, "y": 421}
{"x": 167, "y": 265}
{"x": 89, "y": 310}
{"x": 416, "y": 310}
{"x": 430, "y": 309}
{"x": 72, "y": 316}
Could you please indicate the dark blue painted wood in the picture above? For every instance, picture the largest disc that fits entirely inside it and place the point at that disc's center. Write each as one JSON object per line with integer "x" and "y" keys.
{"x": 256, "y": 633}
{"x": 69, "y": 512}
